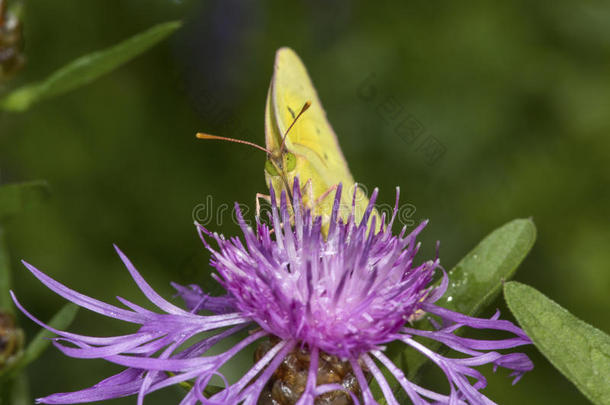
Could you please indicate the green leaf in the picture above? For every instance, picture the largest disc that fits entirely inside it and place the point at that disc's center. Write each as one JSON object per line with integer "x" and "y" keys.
{"x": 473, "y": 283}
{"x": 14, "y": 198}
{"x": 578, "y": 350}
{"x": 87, "y": 68}
{"x": 476, "y": 280}
{"x": 61, "y": 320}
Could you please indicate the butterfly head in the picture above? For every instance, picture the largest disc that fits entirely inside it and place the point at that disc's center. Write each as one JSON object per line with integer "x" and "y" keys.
{"x": 285, "y": 163}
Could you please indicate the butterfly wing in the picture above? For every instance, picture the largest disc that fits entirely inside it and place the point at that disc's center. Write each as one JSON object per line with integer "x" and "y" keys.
{"x": 312, "y": 136}
{"x": 311, "y": 139}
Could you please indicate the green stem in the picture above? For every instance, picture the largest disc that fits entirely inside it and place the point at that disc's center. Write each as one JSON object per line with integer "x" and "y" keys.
{"x": 6, "y": 303}
{"x": 15, "y": 391}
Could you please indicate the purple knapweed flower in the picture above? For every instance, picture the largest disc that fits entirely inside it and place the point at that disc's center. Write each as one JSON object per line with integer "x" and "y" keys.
{"x": 320, "y": 309}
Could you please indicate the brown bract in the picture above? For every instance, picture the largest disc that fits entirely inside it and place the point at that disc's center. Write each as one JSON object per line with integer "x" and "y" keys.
{"x": 11, "y": 339}
{"x": 11, "y": 43}
{"x": 288, "y": 382}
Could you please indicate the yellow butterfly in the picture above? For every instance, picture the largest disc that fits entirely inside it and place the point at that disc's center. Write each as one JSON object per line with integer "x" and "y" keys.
{"x": 310, "y": 149}
{"x": 300, "y": 142}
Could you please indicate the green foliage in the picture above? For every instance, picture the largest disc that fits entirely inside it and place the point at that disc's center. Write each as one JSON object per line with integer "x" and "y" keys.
{"x": 474, "y": 282}
{"x": 16, "y": 392}
{"x": 87, "y": 68}
{"x": 6, "y": 303}
{"x": 61, "y": 320}
{"x": 478, "y": 277}
{"x": 15, "y": 198}
{"x": 577, "y": 349}
{"x": 13, "y": 383}
{"x": 516, "y": 91}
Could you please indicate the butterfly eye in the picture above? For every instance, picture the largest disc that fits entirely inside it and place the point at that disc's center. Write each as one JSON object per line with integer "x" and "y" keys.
{"x": 270, "y": 168}
{"x": 290, "y": 162}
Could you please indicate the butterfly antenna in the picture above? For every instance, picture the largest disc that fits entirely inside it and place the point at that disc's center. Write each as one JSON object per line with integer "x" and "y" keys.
{"x": 305, "y": 107}
{"x": 201, "y": 135}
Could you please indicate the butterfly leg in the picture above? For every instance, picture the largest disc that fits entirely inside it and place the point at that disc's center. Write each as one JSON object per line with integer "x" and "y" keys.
{"x": 317, "y": 202}
{"x": 326, "y": 193}
{"x": 307, "y": 190}
{"x": 266, "y": 197}
{"x": 260, "y": 196}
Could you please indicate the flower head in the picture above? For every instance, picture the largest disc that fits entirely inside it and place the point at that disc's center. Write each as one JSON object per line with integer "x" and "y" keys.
{"x": 315, "y": 304}
{"x": 344, "y": 295}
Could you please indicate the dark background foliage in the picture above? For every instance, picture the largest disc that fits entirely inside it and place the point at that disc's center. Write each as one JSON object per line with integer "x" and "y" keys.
{"x": 514, "y": 98}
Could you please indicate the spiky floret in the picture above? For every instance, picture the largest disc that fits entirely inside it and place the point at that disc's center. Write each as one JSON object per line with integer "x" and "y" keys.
{"x": 347, "y": 295}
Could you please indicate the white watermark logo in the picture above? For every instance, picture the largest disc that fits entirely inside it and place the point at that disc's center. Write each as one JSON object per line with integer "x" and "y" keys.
{"x": 211, "y": 212}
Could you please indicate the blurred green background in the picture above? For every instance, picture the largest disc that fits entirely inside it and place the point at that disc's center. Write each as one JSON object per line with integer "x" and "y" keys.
{"x": 516, "y": 96}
